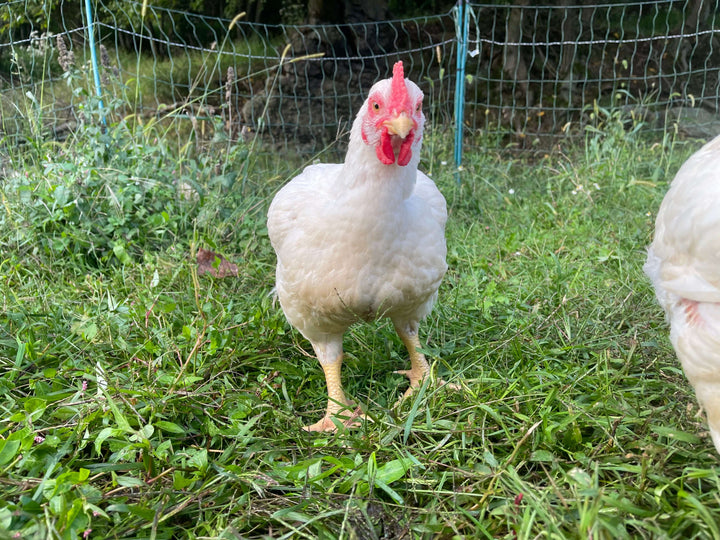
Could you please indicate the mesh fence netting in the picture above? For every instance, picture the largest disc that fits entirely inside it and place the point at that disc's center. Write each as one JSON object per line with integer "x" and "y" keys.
{"x": 544, "y": 72}
{"x": 531, "y": 76}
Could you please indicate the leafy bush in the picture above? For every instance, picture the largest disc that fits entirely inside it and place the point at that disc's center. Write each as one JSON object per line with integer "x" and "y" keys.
{"x": 113, "y": 193}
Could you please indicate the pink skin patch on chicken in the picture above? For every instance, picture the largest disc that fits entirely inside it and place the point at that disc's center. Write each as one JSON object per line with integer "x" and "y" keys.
{"x": 692, "y": 314}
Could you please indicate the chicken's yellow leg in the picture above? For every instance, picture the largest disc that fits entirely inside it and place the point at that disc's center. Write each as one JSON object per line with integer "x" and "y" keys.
{"x": 419, "y": 367}
{"x": 336, "y": 398}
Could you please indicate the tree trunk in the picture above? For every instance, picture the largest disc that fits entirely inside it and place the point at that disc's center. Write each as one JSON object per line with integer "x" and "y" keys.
{"x": 513, "y": 62}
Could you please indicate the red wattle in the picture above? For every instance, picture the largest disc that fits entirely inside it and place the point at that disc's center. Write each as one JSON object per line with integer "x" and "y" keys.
{"x": 384, "y": 150}
{"x": 405, "y": 150}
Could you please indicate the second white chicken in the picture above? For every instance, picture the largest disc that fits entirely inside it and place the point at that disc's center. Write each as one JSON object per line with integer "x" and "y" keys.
{"x": 683, "y": 263}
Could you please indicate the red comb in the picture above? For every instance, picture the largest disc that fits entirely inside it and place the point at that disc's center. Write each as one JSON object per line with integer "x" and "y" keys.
{"x": 398, "y": 76}
{"x": 400, "y": 97}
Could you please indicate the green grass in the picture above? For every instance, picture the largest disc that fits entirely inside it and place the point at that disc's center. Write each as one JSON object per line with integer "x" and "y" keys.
{"x": 575, "y": 420}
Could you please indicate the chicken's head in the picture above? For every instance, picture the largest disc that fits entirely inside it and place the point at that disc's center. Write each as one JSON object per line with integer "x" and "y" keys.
{"x": 392, "y": 118}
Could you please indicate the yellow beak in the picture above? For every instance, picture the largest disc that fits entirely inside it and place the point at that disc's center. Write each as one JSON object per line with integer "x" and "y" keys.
{"x": 400, "y": 125}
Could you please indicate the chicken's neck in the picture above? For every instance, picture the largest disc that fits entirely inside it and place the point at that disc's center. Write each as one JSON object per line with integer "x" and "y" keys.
{"x": 387, "y": 183}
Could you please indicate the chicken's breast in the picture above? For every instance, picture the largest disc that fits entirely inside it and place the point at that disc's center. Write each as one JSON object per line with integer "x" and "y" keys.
{"x": 344, "y": 256}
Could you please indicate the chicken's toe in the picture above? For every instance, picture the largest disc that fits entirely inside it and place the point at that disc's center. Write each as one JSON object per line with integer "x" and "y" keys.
{"x": 326, "y": 423}
{"x": 416, "y": 376}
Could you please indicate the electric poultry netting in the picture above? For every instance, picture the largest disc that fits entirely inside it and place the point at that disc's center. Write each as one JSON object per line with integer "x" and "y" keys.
{"x": 529, "y": 75}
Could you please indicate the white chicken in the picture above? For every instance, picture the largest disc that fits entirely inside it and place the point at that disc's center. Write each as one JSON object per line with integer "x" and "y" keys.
{"x": 363, "y": 239}
{"x": 683, "y": 263}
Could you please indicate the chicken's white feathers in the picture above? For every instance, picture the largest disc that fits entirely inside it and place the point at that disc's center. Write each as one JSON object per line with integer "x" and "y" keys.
{"x": 683, "y": 263}
{"x": 351, "y": 254}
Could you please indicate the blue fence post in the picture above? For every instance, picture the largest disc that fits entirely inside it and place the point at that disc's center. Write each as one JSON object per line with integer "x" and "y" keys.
{"x": 462, "y": 24}
{"x": 94, "y": 58}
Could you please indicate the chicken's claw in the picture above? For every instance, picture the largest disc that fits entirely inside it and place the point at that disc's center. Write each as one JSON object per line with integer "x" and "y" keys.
{"x": 326, "y": 422}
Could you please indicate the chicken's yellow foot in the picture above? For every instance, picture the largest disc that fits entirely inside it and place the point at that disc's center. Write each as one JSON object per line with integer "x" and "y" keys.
{"x": 337, "y": 402}
{"x": 419, "y": 367}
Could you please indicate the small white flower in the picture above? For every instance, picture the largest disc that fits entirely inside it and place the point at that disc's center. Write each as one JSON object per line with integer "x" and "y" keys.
{"x": 511, "y": 191}
{"x": 595, "y": 185}
{"x": 443, "y": 163}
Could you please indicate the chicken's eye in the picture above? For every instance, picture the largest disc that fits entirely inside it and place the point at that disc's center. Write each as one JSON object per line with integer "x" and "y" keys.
{"x": 375, "y": 106}
{"x": 418, "y": 106}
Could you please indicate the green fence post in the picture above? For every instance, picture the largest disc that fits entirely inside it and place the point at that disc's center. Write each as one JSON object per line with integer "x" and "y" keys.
{"x": 462, "y": 24}
{"x": 93, "y": 57}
